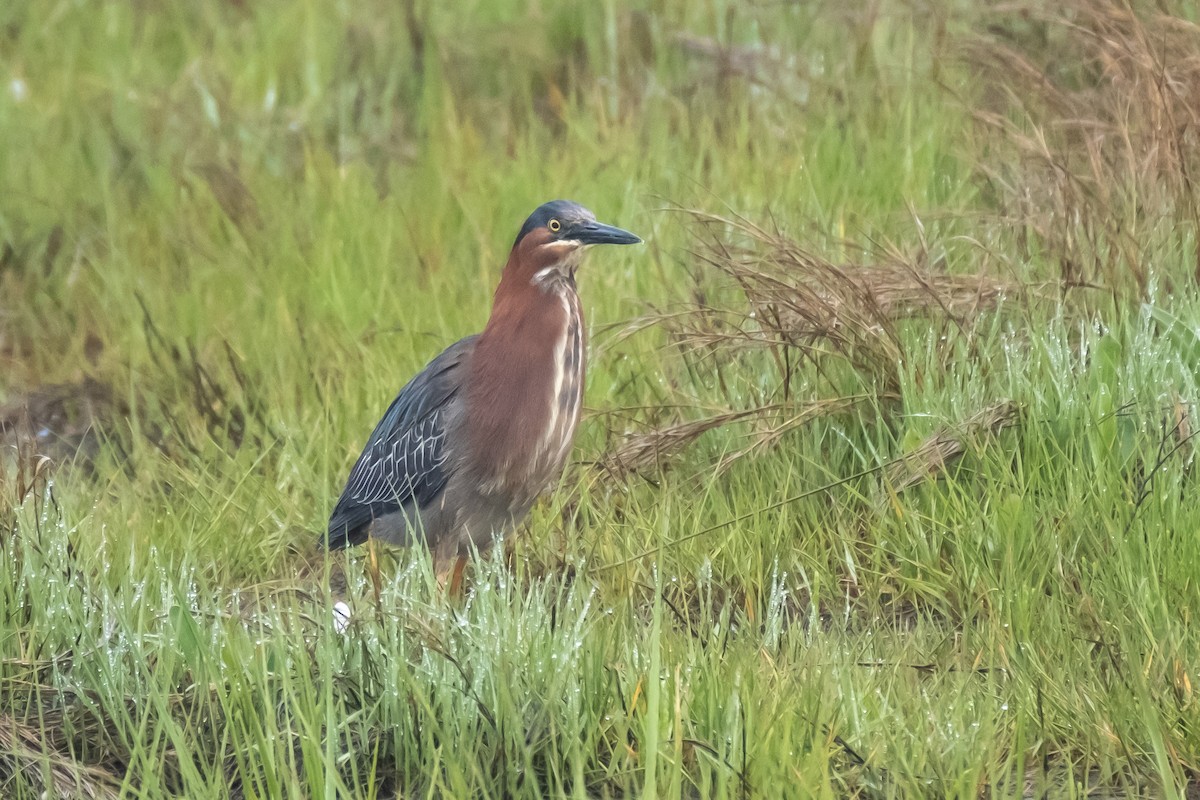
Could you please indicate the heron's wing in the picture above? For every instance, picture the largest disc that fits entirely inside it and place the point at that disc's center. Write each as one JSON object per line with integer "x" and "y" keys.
{"x": 403, "y": 466}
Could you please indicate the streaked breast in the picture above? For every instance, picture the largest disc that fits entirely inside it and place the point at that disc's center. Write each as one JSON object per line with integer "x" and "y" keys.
{"x": 566, "y": 395}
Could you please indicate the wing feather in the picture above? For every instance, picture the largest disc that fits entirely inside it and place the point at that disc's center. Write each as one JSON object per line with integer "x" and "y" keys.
{"x": 404, "y": 465}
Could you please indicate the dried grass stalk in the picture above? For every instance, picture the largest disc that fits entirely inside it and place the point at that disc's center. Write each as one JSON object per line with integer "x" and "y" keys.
{"x": 23, "y": 471}
{"x": 50, "y": 774}
{"x": 654, "y": 450}
{"x": 1091, "y": 115}
{"x": 801, "y": 308}
{"x": 817, "y": 308}
{"x": 946, "y": 445}
{"x": 1183, "y": 428}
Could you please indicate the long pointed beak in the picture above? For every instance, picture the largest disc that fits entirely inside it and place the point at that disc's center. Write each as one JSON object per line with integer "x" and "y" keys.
{"x": 599, "y": 233}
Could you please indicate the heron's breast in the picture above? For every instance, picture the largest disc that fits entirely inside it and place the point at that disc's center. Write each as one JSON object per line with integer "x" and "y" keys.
{"x": 527, "y": 397}
{"x": 566, "y": 398}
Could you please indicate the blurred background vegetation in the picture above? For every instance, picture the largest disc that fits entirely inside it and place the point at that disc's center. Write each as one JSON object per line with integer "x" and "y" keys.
{"x": 884, "y": 488}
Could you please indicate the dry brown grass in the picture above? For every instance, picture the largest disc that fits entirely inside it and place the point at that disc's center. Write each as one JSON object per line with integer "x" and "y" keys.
{"x": 1090, "y": 124}
{"x": 24, "y": 472}
{"x": 795, "y": 302}
{"x": 654, "y": 449}
{"x": 1089, "y": 144}
{"x": 818, "y": 320}
{"x": 52, "y": 774}
{"x": 945, "y": 446}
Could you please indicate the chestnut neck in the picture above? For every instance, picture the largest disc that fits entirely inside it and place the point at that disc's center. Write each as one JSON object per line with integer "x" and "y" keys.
{"x": 516, "y": 361}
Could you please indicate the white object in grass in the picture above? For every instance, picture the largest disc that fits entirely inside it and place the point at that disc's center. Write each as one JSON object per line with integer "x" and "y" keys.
{"x": 341, "y": 616}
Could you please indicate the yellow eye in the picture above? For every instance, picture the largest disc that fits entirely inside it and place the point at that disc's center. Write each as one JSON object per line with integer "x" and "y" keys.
{"x": 554, "y": 226}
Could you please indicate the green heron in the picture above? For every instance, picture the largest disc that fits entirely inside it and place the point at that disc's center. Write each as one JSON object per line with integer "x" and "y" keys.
{"x": 476, "y": 436}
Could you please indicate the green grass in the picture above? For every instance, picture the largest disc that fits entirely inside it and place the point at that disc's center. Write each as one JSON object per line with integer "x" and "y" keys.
{"x": 250, "y": 223}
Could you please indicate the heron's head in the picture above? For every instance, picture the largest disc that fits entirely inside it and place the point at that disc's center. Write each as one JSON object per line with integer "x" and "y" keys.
{"x": 553, "y": 238}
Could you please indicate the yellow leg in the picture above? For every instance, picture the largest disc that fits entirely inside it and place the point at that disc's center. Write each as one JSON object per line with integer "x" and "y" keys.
{"x": 373, "y": 570}
{"x": 450, "y": 575}
{"x": 456, "y": 581}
